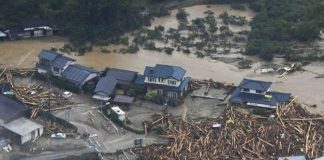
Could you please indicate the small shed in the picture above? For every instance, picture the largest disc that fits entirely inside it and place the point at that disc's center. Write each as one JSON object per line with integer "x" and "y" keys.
{"x": 2, "y": 35}
{"x": 24, "y": 129}
{"x": 123, "y": 99}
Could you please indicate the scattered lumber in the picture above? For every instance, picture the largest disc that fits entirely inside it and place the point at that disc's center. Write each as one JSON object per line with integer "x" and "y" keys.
{"x": 34, "y": 96}
{"x": 293, "y": 131}
{"x": 196, "y": 84}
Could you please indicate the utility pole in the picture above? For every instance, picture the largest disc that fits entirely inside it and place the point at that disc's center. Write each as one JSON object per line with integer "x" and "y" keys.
{"x": 49, "y": 97}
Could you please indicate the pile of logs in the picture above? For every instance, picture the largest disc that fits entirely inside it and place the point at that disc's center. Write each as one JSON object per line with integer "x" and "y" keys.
{"x": 197, "y": 84}
{"x": 35, "y": 96}
{"x": 292, "y": 130}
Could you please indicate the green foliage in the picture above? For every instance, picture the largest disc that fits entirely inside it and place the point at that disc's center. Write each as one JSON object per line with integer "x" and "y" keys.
{"x": 168, "y": 50}
{"x": 238, "y": 6}
{"x": 281, "y": 22}
{"x": 182, "y": 15}
{"x": 154, "y": 97}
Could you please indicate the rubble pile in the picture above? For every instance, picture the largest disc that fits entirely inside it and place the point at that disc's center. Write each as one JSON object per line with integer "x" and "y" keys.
{"x": 196, "y": 84}
{"x": 35, "y": 96}
{"x": 292, "y": 130}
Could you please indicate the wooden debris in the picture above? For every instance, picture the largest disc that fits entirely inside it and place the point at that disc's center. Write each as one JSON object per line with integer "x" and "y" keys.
{"x": 293, "y": 131}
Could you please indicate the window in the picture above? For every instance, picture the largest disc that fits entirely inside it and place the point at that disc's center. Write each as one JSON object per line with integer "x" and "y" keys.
{"x": 161, "y": 80}
{"x": 172, "y": 82}
{"x": 246, "y": 90}
{"x": 258, "y": 91}
{"x": 151, "y": 79}
{"x": 57, "y": 70}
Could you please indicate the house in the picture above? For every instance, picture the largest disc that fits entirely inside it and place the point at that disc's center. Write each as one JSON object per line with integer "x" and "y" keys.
{"x": 78, "y": 75}
{"x": 53, "y": 63}
{"x": 14, "y": 32}
{"x": 3, "y": 35}
{"x": 105, "y": 88}
{"x": 166, "y": 80}
{"x": 24, "y": 130}
{"x": 124, "y": 77}
{"x": 37, "y": 28}
{"x": 257, "y": 93}
{"x": 13, "y": 121}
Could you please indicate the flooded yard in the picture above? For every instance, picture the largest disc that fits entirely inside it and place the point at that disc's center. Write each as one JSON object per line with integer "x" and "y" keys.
{"x": 309, "y": 90}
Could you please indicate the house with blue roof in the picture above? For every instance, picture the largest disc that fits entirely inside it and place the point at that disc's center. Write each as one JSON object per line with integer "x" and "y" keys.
{"x": 52, "y": 63}
{"x": 166, "y": 80}
{"x": 55, "y": 64}
{"x": 258, "y": 94}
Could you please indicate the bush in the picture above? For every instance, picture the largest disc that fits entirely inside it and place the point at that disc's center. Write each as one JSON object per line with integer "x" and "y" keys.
{"x": 238, "y": 6}
{"x": 154, "y": 97}
{"x": 104, "y": 50}
{"x": 168, "y": 50}
{"x": 182, "y": 15}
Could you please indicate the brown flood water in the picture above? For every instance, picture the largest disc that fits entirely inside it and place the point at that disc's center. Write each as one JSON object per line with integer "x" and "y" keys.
{"x": 309, "y": 90}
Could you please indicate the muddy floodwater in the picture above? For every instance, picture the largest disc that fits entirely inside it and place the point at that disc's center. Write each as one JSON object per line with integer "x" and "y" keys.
{"x": 309, "y": 90}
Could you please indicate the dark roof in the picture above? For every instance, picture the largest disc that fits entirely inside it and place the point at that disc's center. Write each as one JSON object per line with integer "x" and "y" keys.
{"x": 60, "y": 61}
{"x": 106, "y": 85}
{"x": 4, "y": 87}
{"x": 10, "y": 108}
{"x": 48, "y": 55}
{"x": 243, "y": 97}
{"x": 14, "y": 31}
{"x": 140, "y": 80}
{"x": 35, "y": 23}
{"x": 124, "y": 77}
{"x": 255, "y": 84}
{"x": 165, "y": 71}
{"x": 77, "y": 74}
{"x": 123, "y": 99}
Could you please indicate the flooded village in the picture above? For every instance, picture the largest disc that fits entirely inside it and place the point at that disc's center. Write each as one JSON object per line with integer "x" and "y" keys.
{"x": 169, "y": 98}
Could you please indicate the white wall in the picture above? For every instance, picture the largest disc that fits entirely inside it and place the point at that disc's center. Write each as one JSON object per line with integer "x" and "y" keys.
{"x": 164, "y": 81}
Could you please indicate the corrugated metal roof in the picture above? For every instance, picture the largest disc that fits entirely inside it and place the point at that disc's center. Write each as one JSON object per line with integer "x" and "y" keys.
{"x": 124, "y": 77}
{"x": 77, "y": 74}
{"x": 22, "y": 126}
{"x": 165, "y": 71}
{"x": 255, "y": 84}
{"x": 106, "y": 85}
{"x": 123, "y": 99}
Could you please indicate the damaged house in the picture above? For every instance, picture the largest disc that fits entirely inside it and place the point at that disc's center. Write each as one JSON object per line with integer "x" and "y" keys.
{"x": 14, "y": 124}
{"x": 258, "y": 94}
{"x": 166, "y": 80}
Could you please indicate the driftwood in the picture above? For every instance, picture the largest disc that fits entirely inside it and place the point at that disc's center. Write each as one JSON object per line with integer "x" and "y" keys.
{"x": 32, "y": 96}
{"x": 293, "y": 131}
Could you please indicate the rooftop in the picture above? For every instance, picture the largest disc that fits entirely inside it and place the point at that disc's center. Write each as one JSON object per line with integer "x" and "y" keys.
{"x": 255, "y": 84}
{"x": 10, "y": 108}
{"x": 274, "y": 98}
{"x": 61, "y": 61}
{"x": 22, "y": 126}
{"x": 77, "y": 74}
{"x": 124, "y": 77}
{"x": 165, "y": 71}
{"x": 123, "y": 99}
{"x": 48, "y": 55}
{"x": 106, "y": 85}
{"x": 35, "y": 23}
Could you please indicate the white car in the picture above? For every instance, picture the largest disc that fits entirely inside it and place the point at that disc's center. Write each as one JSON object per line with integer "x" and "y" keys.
{"x": 58, "y": 136}
{"x": 67, "y": 94}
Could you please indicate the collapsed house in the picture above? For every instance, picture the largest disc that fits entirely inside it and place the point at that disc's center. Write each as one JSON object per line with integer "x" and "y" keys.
{"x": 14, "y": 123}
{"x": 57, "y": 65}
{"x": 166, "y": 80}
{"x": 257, "y": 93}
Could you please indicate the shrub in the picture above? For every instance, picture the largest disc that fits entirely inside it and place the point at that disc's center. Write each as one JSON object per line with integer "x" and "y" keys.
{"x": 168, "y": 50}
{"x": 238, "y": 6}
{"x": 182, "y": 15}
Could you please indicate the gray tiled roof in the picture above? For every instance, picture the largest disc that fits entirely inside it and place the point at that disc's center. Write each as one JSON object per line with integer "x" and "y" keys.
{"x": 255, "y": 84}
{"x": 124, "y": 77}
{"x": 61, "y": 61}
{"x": 77, "y": 74}
{"x": 123, "y": 99}
{"x": 106, "y": 85}
{"x": 49, "y": 55}
{"x": 165, "y": 71}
